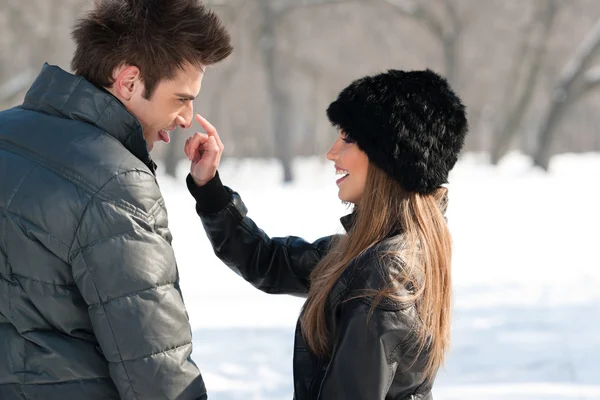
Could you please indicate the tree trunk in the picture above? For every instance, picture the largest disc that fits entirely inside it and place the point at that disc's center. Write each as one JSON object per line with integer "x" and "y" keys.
{"x": 517, "y": 103}
{"x": 451, "y": 41}
{"x": 450, "y": 45}
{"x": 277, "y": 97}
{"x": 565, "y": 95}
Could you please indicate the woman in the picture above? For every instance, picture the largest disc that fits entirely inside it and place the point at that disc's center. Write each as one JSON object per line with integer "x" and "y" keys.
{"x": 376, "y": 323}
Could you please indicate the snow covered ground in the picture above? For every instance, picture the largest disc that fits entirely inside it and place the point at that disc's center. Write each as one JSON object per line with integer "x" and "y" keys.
{"x": 526, "y": 323}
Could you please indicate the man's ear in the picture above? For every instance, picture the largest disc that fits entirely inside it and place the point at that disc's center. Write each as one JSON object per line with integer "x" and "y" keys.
{"x": 127, "y": 81}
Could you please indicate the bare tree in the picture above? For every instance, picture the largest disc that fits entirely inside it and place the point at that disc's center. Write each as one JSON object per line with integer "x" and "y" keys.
{"x": 574, "y": 81}
{"x": 445, "y": 28}
{"x": 272, "y": 13}
{"x": 523, "y": 78}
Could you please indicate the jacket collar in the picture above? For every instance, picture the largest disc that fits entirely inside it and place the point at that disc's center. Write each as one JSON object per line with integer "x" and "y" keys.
{"x": 348, "y": 221}
{"x": 57, "y": 92}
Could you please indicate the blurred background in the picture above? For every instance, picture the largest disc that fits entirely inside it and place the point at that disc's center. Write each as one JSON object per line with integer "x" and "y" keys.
{"x": 523, "y": 198}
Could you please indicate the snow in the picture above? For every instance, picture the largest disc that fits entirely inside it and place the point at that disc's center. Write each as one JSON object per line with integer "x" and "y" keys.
{"x": 526, "y": 276}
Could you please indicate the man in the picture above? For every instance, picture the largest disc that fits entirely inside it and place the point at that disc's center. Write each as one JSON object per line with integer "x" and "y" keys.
{"x": 90, "y": 305}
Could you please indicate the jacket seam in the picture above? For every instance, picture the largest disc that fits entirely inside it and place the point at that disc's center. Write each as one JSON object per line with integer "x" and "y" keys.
{"x": 83, "y": 215}
{"x": 6, "y": 210}
{"x": 22, "y": 391}
{"x": 418, "y": 389}
{"x": 112, "y": 100}
{"x": 58, "y": 383}
{"x": 365, "y": 299}
{"x": 24, "y": 364}
{"x": 107, "y": 238}
{"x": 38, "y": 281}
{"x": 344, "y": 293}
{"x": 123, "y": 205}
{"x": 22, "y": 380}
{"x": 8, "y": 305}
{"x": 111, "y": 328}
{"x": 156, "y": 208}
{"x": 235, "y": 213}
{"x": 395, "y": 349}
{"x": 158, "y": 352}
{"x": 70, "y": 94}
{"x": 130, "y": 294}
{"x": 390, "y": 377}
{"x": 39, "y": 160}
{"x": 97, "y": 194}
{"x": 382, "y": 308}
{"x": 18, "y": 188}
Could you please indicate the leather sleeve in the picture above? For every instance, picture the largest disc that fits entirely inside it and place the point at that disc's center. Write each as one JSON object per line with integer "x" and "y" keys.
{"x": 280, "y": 265}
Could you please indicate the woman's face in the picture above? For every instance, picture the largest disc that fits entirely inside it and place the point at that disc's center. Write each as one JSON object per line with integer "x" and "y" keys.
{"x": 351, "y": 164}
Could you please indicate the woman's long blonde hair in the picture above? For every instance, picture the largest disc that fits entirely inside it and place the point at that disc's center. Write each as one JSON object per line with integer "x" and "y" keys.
{"x": 424, "y": 257}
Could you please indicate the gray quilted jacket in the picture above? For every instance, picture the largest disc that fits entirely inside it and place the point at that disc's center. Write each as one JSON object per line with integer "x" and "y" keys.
{"x": 90, "y": 306}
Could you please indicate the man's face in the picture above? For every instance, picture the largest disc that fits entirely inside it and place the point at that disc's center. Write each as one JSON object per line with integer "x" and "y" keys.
{"x": 170, "y": 106}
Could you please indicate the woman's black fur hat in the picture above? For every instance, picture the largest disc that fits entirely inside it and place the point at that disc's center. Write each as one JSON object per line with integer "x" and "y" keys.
{"x": 410, "y": 124}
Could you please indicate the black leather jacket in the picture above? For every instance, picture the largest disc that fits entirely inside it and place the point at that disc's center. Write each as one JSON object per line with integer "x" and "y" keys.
{"x": 372, "y": 357}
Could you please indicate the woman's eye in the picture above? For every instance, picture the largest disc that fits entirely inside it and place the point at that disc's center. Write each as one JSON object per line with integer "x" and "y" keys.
{"x": 348, "y": 140}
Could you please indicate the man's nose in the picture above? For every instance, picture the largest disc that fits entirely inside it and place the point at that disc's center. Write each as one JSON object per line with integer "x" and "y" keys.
{"x": 184, "y": 119}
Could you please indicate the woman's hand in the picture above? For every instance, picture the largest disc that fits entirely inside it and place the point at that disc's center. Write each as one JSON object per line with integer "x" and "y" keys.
{"x": 204, "y": 151}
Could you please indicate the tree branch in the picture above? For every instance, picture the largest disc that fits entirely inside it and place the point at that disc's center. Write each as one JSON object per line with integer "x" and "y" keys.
{"x": 226, "y": 3}
{"x": 564, "y": 94}
{"x": 291, "y": 6}
{"x": 416, "y": 10}
{"x": 528, "y": 64}
{"x": 592, "y": 77}
{"x": 452, "y": 12}
{"x": 591, "y": 80}
{"x": 580, "y": 60}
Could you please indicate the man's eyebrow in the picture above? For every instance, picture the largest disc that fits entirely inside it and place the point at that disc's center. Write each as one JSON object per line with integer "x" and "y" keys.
{"x": 185, "y": 96}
